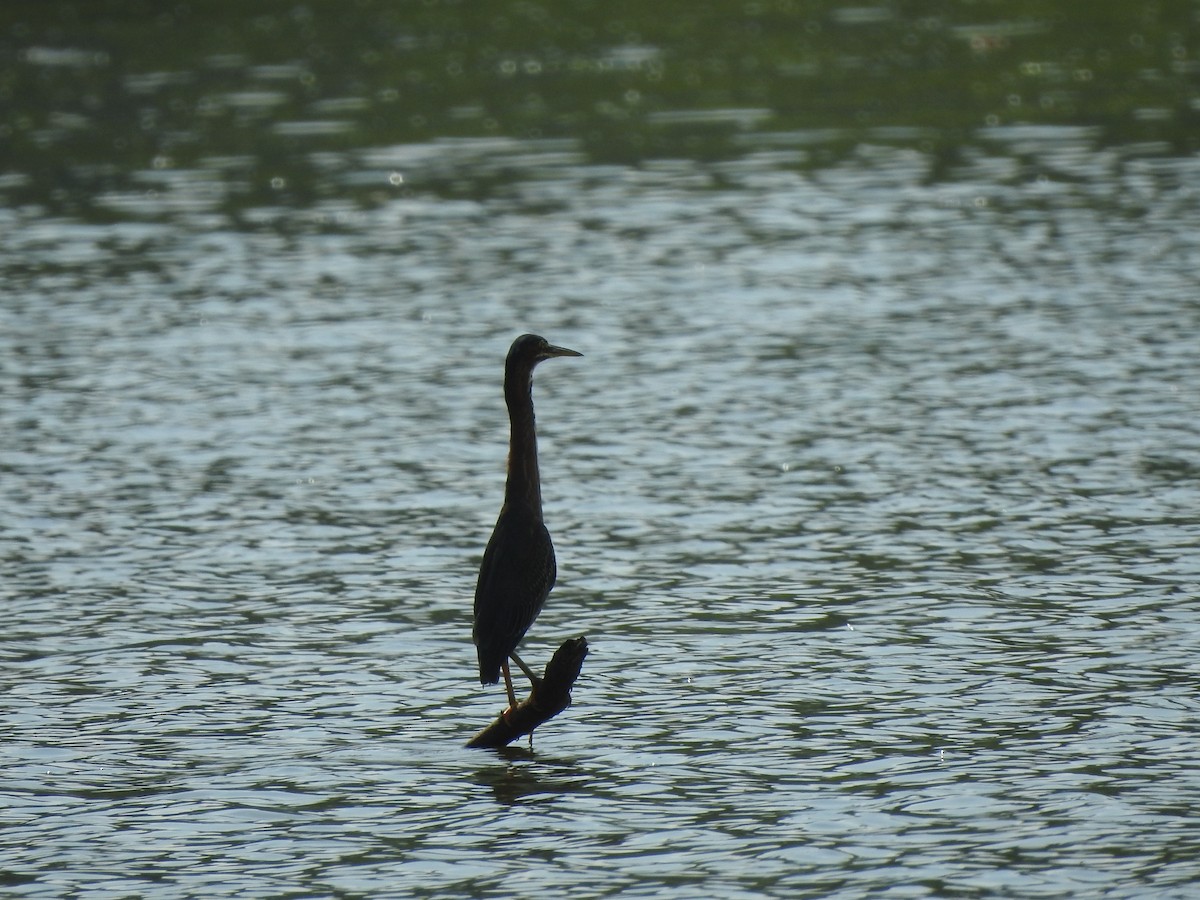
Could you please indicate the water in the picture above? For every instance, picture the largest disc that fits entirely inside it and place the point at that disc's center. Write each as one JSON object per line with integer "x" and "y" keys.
{"x": 874, "y": 493}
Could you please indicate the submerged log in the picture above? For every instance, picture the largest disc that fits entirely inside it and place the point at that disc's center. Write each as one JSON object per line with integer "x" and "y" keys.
{"x": 551, "y": 694}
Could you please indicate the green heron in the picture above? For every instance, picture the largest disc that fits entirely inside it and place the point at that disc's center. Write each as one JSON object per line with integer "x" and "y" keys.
{"x": 518, "y": 568}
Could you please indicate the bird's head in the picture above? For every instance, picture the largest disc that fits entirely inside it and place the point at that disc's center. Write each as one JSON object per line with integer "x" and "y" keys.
{"x": 530, "y": 349}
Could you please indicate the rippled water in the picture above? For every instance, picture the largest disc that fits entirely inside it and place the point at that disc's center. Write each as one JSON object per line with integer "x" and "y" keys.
{"x": 879, "y": 515}
{"x": 875, "y": 494}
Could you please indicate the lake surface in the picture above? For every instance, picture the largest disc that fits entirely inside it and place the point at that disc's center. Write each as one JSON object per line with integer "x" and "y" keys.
{"x": 875, "y": 491}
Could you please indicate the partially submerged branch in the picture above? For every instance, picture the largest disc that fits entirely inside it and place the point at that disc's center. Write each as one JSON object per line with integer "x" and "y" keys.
{"x": 551, "y": 694}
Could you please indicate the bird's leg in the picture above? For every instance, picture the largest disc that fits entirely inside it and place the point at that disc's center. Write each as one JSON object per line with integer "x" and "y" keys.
{"x": 533, "y": 679}
{"x": 512, "y": 697}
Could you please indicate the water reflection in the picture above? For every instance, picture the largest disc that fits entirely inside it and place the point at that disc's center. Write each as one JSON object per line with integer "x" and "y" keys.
{"x": 97, "y": 104}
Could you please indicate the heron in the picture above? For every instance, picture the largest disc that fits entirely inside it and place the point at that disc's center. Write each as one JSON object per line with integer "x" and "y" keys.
{"x": 518, "y": 568}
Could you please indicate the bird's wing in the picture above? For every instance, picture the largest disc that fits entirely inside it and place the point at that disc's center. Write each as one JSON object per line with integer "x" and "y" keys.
{"x": 517, "y": 573}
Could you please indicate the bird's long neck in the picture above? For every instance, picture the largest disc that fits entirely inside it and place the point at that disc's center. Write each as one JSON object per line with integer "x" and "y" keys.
{"x": 524, "y": 483}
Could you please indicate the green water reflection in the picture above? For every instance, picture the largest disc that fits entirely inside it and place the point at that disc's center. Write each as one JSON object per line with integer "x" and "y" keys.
{"x": 279, "y": 92}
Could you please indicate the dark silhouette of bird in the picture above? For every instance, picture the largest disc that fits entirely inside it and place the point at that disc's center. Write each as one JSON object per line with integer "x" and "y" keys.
{"x": 518, "y": 567}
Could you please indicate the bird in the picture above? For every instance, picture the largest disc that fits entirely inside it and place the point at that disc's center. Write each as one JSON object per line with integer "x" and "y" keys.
{"x": 518, "y": 568}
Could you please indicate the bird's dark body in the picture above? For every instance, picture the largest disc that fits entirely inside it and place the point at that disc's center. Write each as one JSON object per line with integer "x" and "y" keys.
{"x": 518, "y": 568}
{"x": 514, "y": 580}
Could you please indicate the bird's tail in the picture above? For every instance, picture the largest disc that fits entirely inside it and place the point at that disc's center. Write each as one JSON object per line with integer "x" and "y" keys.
{"x": 489, "y": 667}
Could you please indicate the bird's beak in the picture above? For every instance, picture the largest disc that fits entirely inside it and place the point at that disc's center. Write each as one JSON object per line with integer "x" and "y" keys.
{"x": 559, "y": 351}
